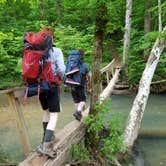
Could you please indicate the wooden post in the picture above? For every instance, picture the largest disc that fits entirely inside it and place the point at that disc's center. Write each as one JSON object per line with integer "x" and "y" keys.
{"x": 20, "y": 122}
{"x": 112, "y": 70}
{"x": 107, "y": 75}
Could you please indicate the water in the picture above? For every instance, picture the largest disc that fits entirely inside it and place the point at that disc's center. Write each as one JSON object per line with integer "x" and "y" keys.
{"x": 9, "y": 137}
{"x": 153, "y": 149}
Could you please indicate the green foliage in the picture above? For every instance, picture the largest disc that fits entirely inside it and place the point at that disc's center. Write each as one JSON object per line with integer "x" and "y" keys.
{"x": 96, "y": 123}
{"x": 3, "y": 155}
{"x": 112, "y": 142}
{"x": 160, "y": 72}
{"x": 117, "y": 9}
{"x": 80, "y": 153}
{"x": 73, "y": 22}
{"x": 141, "y": 45}
{"x": 11, "y": 48}
{"x": 78, "y": 14}
{"x": 70, "y": 38}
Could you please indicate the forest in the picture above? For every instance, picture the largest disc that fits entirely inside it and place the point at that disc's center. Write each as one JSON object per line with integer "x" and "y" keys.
{"x": 74, "y": 24}
{"x": 105, "y": 31}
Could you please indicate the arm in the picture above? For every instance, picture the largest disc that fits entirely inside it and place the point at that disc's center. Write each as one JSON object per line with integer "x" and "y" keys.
{"x": 60, "y": 63}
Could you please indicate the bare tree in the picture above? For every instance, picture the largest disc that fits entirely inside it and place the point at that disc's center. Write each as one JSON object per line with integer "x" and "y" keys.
{"x": 59, "y": 11}
{"x": 159, "y": 15}
{"x": 147, "y": 24}
{"x": 41, "y": 5}
{"x": 139, "y": 104}
{"x": 147, "y": 16}
{"x": 127, "y": 30}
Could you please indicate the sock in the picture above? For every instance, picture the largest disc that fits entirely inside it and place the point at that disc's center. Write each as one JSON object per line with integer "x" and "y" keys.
{"x": 81, "y": 106}
{"x": 48, "y": 135}
{"x": 44, "y": 129}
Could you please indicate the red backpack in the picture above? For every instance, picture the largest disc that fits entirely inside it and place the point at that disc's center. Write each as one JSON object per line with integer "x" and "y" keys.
{"x": 36, "y": 69}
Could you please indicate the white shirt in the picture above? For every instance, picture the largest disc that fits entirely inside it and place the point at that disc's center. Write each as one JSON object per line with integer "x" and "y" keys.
{"x": 57, "y": 59}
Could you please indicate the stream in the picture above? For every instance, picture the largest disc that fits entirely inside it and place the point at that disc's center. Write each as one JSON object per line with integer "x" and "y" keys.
{"x": 153, "y": 149}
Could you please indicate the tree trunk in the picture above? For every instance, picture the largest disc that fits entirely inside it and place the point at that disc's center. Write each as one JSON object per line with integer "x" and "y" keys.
{"x": 139, "y": 104}
{"x": 147, "y": 25}
{"x": 109, "y": 89}
{"x": 97, "y": 53}
{"x": 115, "y": 54}
{"x": 59, "y": 11}
{"x": 41, "y": 5}
{"x": 127, "y": 30}
{"x": 147, "y": 17}
{"x": 159, "y": 13}
{"x": 101, "y": 21}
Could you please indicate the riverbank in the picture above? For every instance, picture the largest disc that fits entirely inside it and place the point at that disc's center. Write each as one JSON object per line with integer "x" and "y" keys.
{"x": 119, "y": 89}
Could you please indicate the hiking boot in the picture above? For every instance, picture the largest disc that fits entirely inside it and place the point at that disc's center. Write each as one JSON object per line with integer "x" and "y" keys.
{"x": 47, "y": 149}
{"x": 53, "y": 140}
{"x": 78, "y": 115}
{"x": 40, "y": 146}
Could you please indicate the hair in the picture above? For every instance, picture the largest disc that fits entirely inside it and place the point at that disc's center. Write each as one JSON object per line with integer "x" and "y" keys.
{"x": 82, "y": 51}
{"x": 48, "y": 30}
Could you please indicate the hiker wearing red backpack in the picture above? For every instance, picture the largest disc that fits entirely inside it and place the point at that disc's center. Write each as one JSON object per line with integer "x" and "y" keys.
{"x": 43, "y": 69}
{"x": 50, "y": 101}
{"x": 77, "y": 77}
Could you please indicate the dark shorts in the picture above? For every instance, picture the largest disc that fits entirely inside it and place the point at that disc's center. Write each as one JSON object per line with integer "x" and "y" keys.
{"x": 78, "y": 94}
{"x": 51, "y": 100}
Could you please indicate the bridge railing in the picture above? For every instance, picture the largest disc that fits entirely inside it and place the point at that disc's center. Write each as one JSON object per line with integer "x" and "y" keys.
{"x": 13, "y": 96}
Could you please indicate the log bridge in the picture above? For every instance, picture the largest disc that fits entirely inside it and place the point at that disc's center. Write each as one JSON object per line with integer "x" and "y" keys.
{"x": 71, "y": 134}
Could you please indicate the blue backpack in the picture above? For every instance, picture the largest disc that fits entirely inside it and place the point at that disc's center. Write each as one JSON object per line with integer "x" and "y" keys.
{"x": 74, "y": 68}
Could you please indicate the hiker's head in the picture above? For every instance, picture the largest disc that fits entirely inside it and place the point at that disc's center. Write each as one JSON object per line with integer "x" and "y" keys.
{"x": 81, "y": 51}
{"x": 48, "y": 30}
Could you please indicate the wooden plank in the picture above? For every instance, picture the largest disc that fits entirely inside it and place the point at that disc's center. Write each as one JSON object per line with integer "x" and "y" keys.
{"x": 11, "y": 90}
{"x": 158, "y": 82}
{"x": 108, "y": 90}
{"x": 19, "y": 93}
{"x": 20, "y": 122}
{"x": 108, "y": 75}
{"x": 72, "y": 134}
{"x": 152, "y": 133}
{"x": 108, "y": 67}
{"x": 34, "y": 159}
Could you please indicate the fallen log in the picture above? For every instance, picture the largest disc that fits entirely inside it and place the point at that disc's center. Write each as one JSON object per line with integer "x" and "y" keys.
{"x": 108, "y": 90}
{"x": 139, "y": 104}
{"x": 152, "y": 133}
{"x": 70, "y": 134}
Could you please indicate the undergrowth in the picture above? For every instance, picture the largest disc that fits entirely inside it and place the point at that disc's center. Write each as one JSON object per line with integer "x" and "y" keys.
{"x": 110, "y": 138}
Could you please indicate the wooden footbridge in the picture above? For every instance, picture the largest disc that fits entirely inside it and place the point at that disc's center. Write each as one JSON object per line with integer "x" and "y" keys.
{"x": 71, "y": 134}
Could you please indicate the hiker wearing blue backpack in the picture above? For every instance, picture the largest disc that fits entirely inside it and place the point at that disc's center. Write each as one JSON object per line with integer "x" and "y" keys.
{"x": 43, "y": 69}
{"x": 77, "y": 78}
